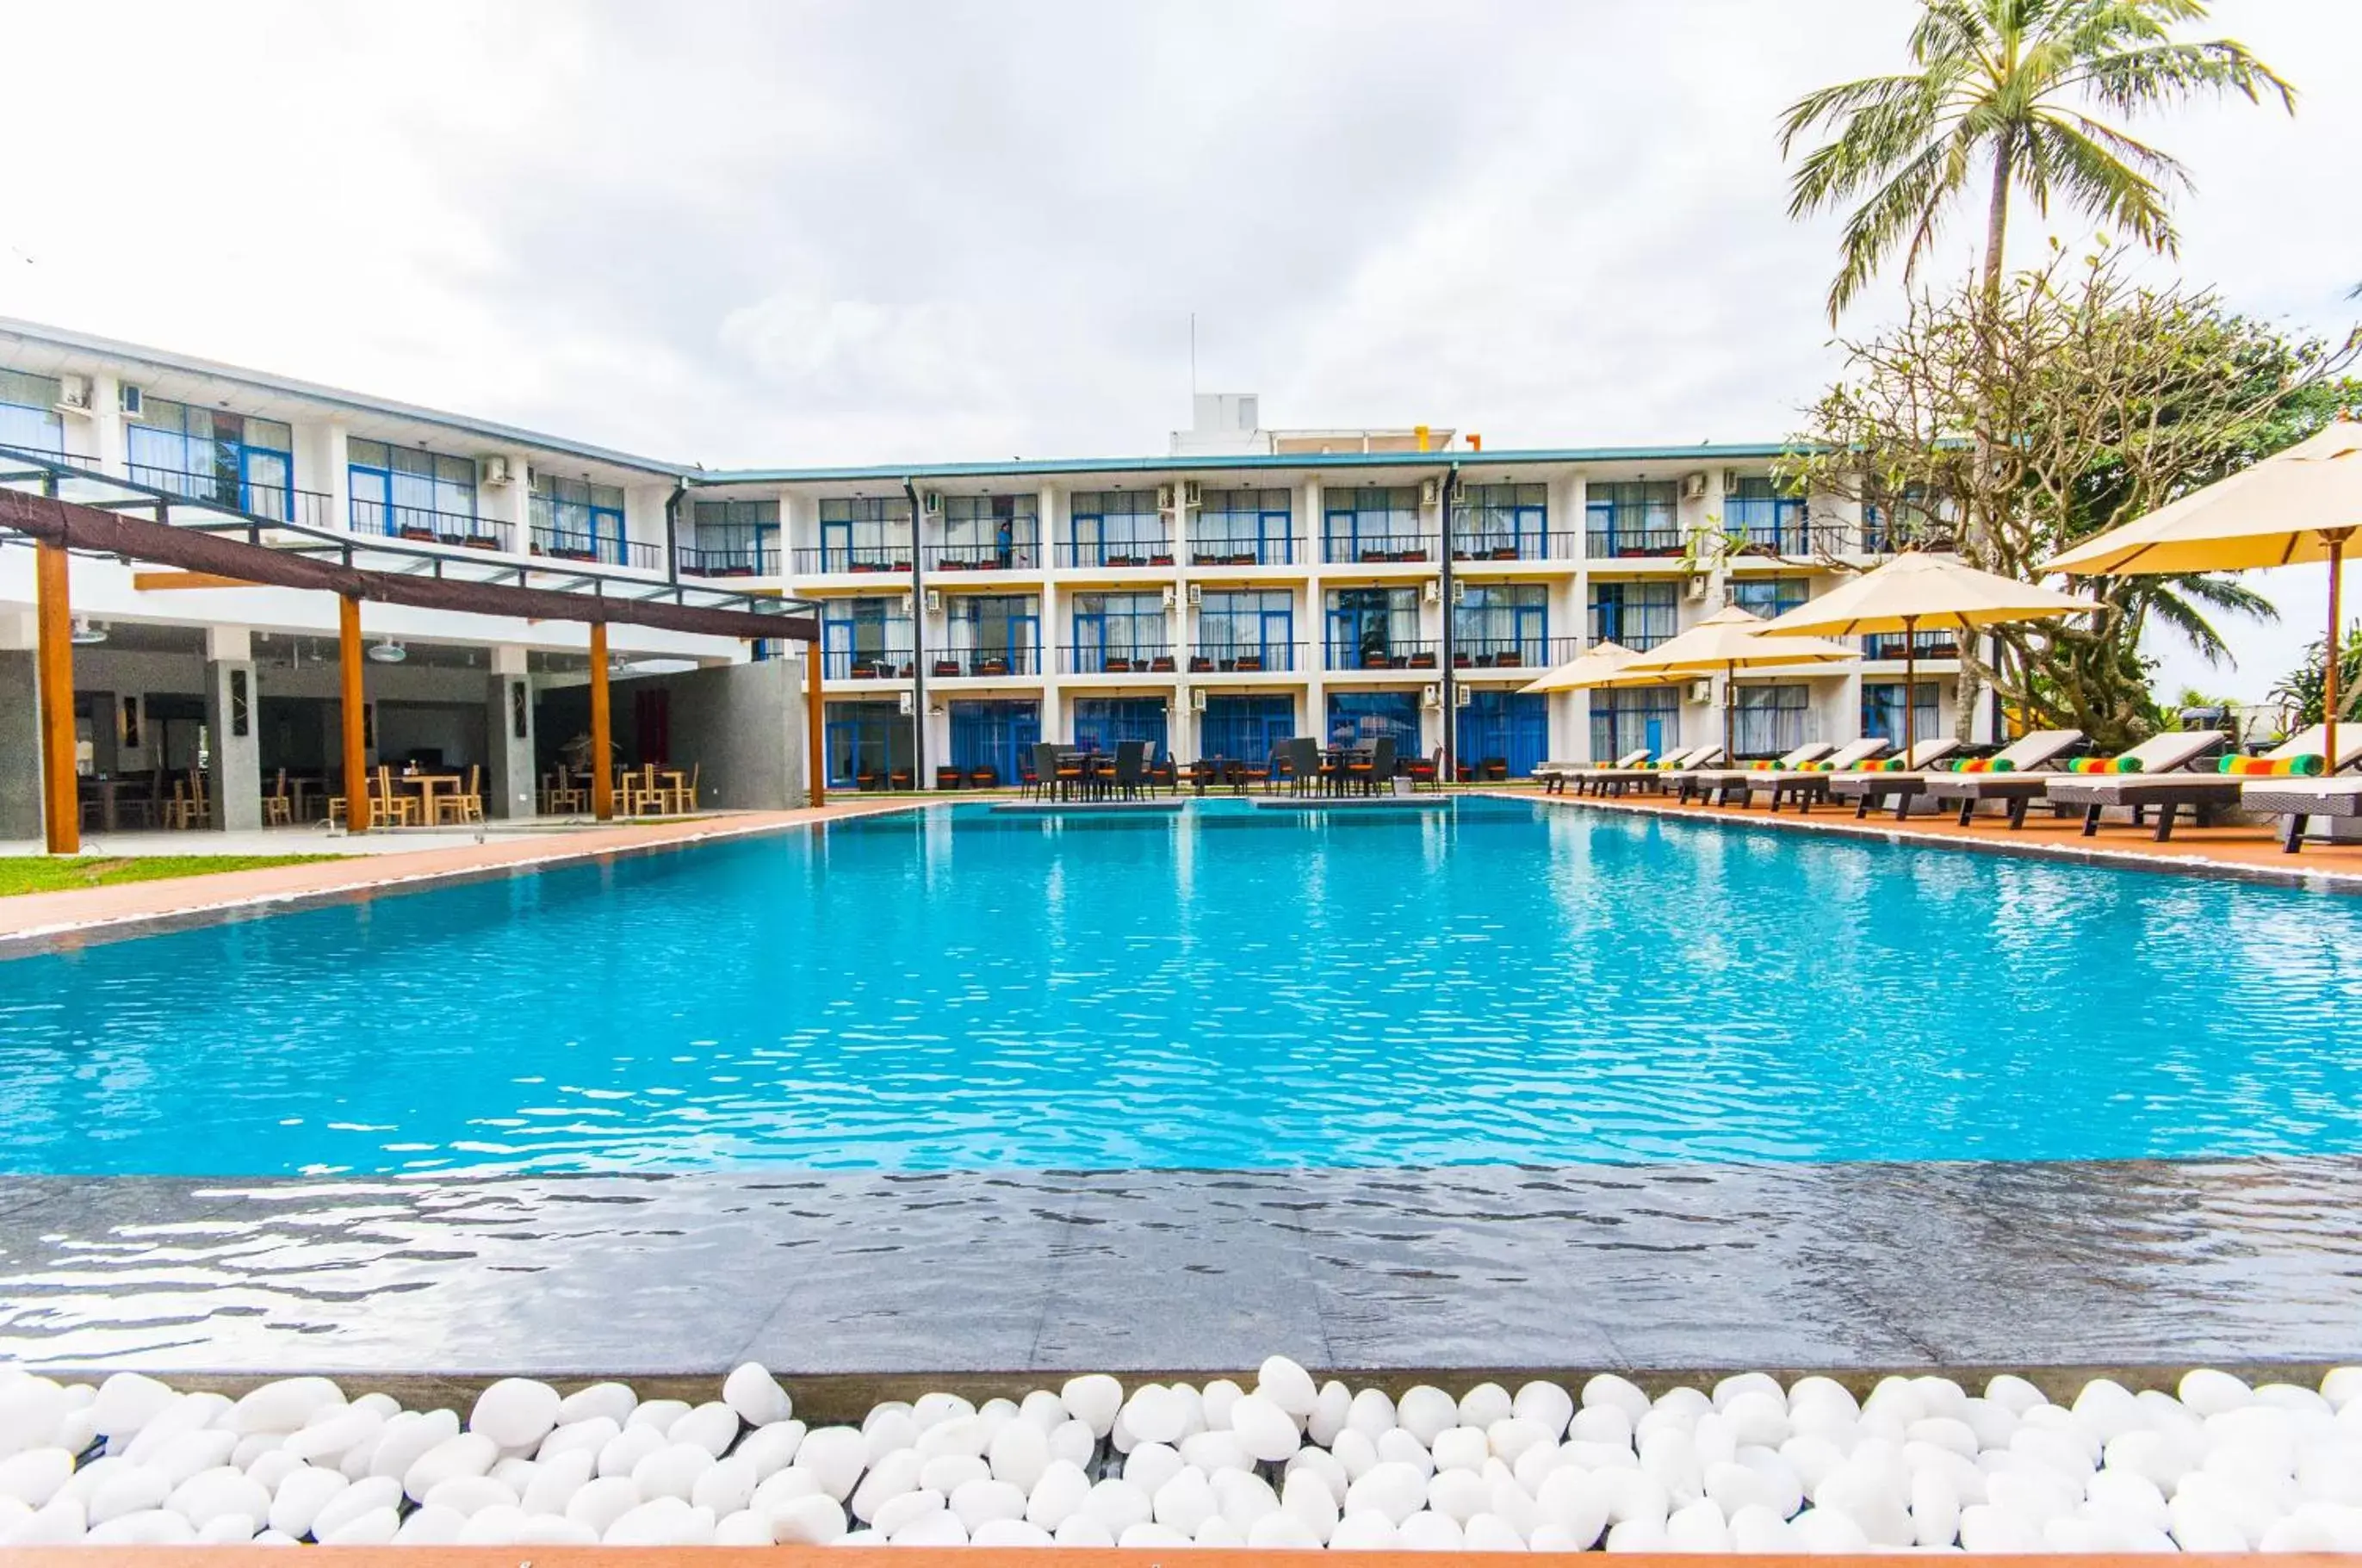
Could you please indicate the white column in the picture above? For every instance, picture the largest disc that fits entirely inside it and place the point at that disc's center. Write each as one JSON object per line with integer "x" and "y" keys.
{"x": 108, "y": 442}
{"x": 234, "y": 729}
{"x": 509, "y": 722}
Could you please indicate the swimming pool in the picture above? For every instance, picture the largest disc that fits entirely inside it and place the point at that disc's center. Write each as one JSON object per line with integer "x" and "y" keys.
{"x": 1227, "y": 988}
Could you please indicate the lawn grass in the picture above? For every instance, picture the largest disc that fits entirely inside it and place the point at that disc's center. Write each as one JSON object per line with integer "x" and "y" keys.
{"x": 49, "y": 874}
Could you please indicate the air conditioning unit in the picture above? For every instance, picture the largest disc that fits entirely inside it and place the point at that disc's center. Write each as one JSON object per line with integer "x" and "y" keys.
{"x": 934, "y": 602}
{"x": 1459, "y": 592}
{"x": 1730, "y": 482}
{"x": 1169, "y": 596}
{"x": 932, "y": 503}
{"x": 1197, "y": 594}
{"x": 1701, "y": 691}
{"x": 1431, "y": 696}
{"x": 1197, "y": 698}
{"x": 134, "y": 404}
{"x": 494, "y": 470}
{"x": 1463, "y": 696}
{"x": 1192, "y": 495}
{"x": 908, "y": 704}
{"x": 1434, "y": 588}
{"x": 1430, "y": 493}
{"x": 906, "y": 605}
{"x": 74, "y": 394}
{"x": 1694, "y": 487}
{"x": 1163, "y": 498}
{"x": 1696, "y": 589}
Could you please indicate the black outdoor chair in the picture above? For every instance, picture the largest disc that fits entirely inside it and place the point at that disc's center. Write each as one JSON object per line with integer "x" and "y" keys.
{"x": 1130, "y": 768}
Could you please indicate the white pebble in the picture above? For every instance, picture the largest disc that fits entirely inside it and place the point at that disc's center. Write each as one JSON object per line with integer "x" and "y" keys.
{"x": 515, "y": 1412}
{"x": 284, "y": 1405}
{"x": 835, "y": 1455}
{"x": 1093, "y": 1400}
{"x": 613, "y": 1400}
{"x": 1426, "y": 1412}
{"x": 127, "y": 1401}
{"x": 1264, "y": 1428}
{"x": 1287, "y": 1386}
{"x": 813, "y": 1520}
{"x": 755, "y": 1395}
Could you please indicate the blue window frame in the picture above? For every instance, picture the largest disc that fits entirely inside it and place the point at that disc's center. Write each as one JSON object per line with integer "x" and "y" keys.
{"x": 1501, "y": 523}
{"x": 1771, "y": 518}
{"x": 1625, "y": 720}
{"x": 578, "y": 520}
{"x": 1501, "y": 624}
{"x": 1512, "y": 727}
{"x": 1768, "y": 596}
{"x": 1769, "y": 720}
{"x": 867, "y": 744}
{"x": 1246, "y": 728}
{"x": 1117, "y": 528}
{"x": 988, "y": 629}
{"x": 209, "y": 454}
{"x": 1640, "y": 517}
{"x": 869, "y": 533}
{"x": 1882, "y": 711}
{"x": 28, "y": 413}
{"x": 1374, "y": 523}
{"x": 734, "y": 539}
{"x": 1358, "y": 716}
{"x": 868, "y": 637}
{"x": 1242, "y": 527}
{"x": 998, "y": 736}
{"x": 1124, "y": 627}
{"x": 1371, "y": 628}
{"x": 991, "y": 532}
{"x": 1254, "y": 625}
{"x": 1103, "y": 722}
{"x": 403, "y": 491}
{"x": 1639, "y": 615}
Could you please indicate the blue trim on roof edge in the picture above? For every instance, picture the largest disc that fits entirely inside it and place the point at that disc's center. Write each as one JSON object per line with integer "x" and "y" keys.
{"x": 1217, "y": 462}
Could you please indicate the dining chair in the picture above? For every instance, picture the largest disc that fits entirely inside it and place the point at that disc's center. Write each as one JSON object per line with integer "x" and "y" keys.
{"x": 463, "y": 805}
{"x": 388, "y": 805}
{"x": 278, "y": 807}
{"x": 685, "y": 796}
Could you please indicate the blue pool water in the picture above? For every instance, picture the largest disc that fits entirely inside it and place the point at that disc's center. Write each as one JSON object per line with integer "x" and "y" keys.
{"x": 1496, "y": 983}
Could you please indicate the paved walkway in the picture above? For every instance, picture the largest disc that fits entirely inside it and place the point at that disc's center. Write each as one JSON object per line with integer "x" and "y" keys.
{"x": 377, "y": 861}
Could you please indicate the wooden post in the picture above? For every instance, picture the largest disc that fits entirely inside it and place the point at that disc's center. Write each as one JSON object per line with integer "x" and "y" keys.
{"x": 602, "y": 762}
{"x": 61, "y": 797}
{"x": 2329, "y": 695}
{"x": 355, "y": 705}
{"x": 815, "y": 736}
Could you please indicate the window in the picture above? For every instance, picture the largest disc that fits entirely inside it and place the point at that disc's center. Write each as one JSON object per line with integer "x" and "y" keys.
{"x": 1372, "y": 524}
{"x": 1242, "y": 527}
{"x": 28, "y": 415}
{"x": 1770, "y": 720}
{"x": 1909, "y": 519}
{"x": 1251, "y": 628}
{"x": 1768, "y": 596}
{"x": 998, "y": 532}
{"x": 865, "y": 638}
{"x": 1768, "y": 516}
{"x": 1501, "y": 523}
{"x": 1507, "y": 728}
{"x": 1248, "y": 728}
{"x": 734, "y": 538}
{"x": 1630, "y": 718}
{"x": 1376, "y": 628}
{"x": 1882, "y": 711}
{"x": 995, "y": 633}
{"x": 1637, "y": 518}
{"x": 211, "y": 454}
{"x": 1355, "y": 717}
{"x": 1639, "y": 615}
{"x": 865, "y": 534}
{"x": 1117, "y": 528}
{"x": 410, "y": 495}
{"x": 1501, "y": 624}
{"x": 870, "y": 745}
{"x": 999, "y": 736}
{"x": 1118, "y": 632}
{"x": 577, "y": 520}
{"x": 1103, "y": 724}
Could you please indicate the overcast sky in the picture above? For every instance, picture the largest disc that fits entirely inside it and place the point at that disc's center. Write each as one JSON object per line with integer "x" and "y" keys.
{"x": 762, "y": 232}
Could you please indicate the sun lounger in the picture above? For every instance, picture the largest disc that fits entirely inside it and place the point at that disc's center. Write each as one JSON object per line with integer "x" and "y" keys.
{"x": 1870, "y": 789}
{"x": 1555, "y": 774}
{"x": 2018, "y": 785}
{"x": 1805, "y": 785}
{"x": 2301, "y": 801}
{"x": 1603, "y": 780}
{"x": 2161, "y": 785}
{"x": 1720, "y": 781}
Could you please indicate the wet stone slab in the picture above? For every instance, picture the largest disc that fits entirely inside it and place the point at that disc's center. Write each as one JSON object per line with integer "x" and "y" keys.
{"x": 1631, "y": 1267}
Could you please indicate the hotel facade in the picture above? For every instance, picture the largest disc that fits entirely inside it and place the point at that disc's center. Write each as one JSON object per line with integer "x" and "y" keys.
{"x": 1248, "y": 585}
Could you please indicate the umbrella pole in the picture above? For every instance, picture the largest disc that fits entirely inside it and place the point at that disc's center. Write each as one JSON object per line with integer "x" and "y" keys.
{"x": 2329, "y": 661}
{"x": 1730, "y": 713}
{"x": 1910, "y": 678}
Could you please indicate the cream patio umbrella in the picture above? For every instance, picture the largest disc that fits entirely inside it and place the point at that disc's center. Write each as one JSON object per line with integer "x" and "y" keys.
{"x": 1601, "y": 664}
{"x": 1731, "y": 640}
{"x": 1917, "y": 591}
{"x": 2302, "y": 504}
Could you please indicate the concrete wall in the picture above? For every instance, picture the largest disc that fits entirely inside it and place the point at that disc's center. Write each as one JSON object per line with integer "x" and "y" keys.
{"x": 741, "y": 725}
{"x": 20, "y": 746}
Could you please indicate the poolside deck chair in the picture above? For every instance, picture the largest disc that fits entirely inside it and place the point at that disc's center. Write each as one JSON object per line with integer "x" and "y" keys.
{"x": 1705, "y": 781}
{"x": 1872, "y": 788}
{"x": 1809, "y": 783}
{"x": 2016, "y": 776}
{"x": 2163, "y": 783}
{"x": 1553, "y": 776}
{"x": 1130, "y": 768}
{"x": 1620, "y": 777}
{"x": 2299, "y": 801}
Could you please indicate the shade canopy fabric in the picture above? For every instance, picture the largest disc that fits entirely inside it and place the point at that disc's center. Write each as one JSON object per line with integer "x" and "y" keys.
{"x": 1602, "y": 664}
{"x": 1731, "y": 639}
{"x": 1924, "y": 592}
{"x": 2291, "y": 507}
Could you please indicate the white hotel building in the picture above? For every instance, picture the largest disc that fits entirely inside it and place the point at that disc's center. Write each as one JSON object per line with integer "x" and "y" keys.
{"x": 1248, "y": 585}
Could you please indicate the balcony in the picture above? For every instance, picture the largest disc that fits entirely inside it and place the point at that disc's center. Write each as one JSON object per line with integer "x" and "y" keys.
{"x": 1641, "y": 539}
{"x": 1637, "y": 636}
{"x": 1926, "y": 644}
{"x": 1017, "y": 555}
{"x": 1142, "y": 659}
{"x": 1519, "y": 547}
{"x": 854, "y": 559}
{"x": 422, "y": 526}
{"x": 1370, "y": 549}
{"x": 1115, "y": 553}
{"x": 1512, "y": 653}
{"x": 728, "y": 561}
{"x": 1244, "y": 552}
{"x": 1232, "y": 658}
{"x": 564, "y": 545}
{"x": 983, "y": 664}
{"x": 1394, "y": 654}
{"x": 870, "y": 664}
{"x": 272, "y": 503}
{"x": 1879, "y": 538}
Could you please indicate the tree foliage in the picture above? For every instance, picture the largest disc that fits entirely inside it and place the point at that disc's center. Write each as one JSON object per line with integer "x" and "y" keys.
{"x": 2305, "y": 689}
{"x": 2075, "y": 400}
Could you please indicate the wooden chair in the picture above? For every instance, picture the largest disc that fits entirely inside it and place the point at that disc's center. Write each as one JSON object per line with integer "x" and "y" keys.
{"x": 684, "y": 797}
{"x": 387, "y": 805}
{"x": 279, "y": 806}
{"x": 188, "y": 808}
{"x": 564, "y": 792}
{"x": 463, "y": 805}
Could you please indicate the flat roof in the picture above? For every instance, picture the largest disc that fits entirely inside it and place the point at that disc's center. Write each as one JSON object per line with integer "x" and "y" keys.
{"x": 1217, "y": 462}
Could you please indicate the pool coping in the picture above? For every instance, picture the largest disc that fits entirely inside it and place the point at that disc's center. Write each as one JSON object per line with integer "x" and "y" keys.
{"x": 2185, "y": 857}
{"x": 1044, "y": 1557}
{"x": 124, "y": 911}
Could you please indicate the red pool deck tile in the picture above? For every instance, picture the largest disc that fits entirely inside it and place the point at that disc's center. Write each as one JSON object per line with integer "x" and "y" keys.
{"x": 92, "y": 908}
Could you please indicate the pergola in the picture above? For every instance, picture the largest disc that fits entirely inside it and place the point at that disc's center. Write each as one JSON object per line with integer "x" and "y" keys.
{"x": 65, "y": 508}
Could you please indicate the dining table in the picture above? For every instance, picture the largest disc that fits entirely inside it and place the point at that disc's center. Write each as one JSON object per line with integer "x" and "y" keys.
{"x": 108, "y": 792}
{"x": 426, "y": 784}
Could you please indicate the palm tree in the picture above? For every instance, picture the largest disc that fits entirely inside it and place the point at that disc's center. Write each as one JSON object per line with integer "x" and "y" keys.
{"x": 2014, "y": 85}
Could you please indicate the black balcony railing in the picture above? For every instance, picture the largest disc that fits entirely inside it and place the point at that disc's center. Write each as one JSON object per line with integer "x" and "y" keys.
{"x": 1360, "y": 548}
{"x": 1244, "y": 552}
{"x": 1234, "y": 658}
{"x": 1520, "y": 547}
{"x": 1633, "y": 541}
{"x": 983, "y": 663}
{"x": 1927, "y": 645}
{"x": 1799, "y": 541}
{"x": 424, "y": 525}
{"x": 1017, "y": 555}
{"x": 1512, "y": 653}
{"x": 564, "y": 545}
{"x": 728, "y": 561}
{"x": 1140, "y": 660}
{"x": 1394, "y": 654}
{"x": 1635, "y": 633}
{"x": 855, "y": 559}
{"x": 876, "y": 664}
{"x": 1879, "y": 538}
{"x": 1120, "y": 553}
{"x": 272, "y": 503}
